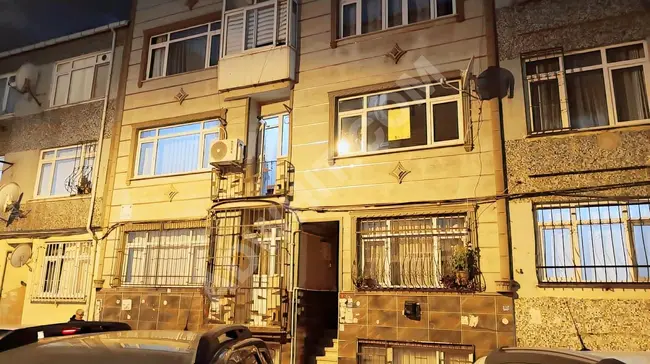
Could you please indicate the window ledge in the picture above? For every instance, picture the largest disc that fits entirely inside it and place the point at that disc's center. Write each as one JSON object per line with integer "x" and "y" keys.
{"x": 562, "y": 132}
{"x": 7, "y": 116}
{"x": 142, "y": 178}
{"x": 455, "y": 143}
{"x": 75, "y": 104}
{"x": 57, "y": 198}
{"x": 148, "y": 80}
{"x": 415, "y": 289}
{"x": 447, "y": 19}
{"x": 257, "y": 50}
{"x": 596, "y": 285}
{"x": 57, "y": 301}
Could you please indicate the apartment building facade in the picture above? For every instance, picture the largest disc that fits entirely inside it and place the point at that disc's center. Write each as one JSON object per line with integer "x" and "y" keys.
{"x": 58, "y": 103}
{"x": 359, "y": 220}
{"x": 576, "y": 141}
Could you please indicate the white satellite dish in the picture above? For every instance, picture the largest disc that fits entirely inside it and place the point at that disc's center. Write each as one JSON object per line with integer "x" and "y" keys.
{"x": 9, "y": 194}
{"x": 467, "y": 74}
{"x": 21, "y": 255}
{"x": 25, "y": 80}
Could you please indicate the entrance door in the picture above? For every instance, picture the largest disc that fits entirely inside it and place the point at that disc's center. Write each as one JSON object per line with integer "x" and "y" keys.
{"x": 12, "y": 292}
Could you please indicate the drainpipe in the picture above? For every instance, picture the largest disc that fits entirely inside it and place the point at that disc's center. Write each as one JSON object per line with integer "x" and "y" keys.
{"x": 98, "y": 159}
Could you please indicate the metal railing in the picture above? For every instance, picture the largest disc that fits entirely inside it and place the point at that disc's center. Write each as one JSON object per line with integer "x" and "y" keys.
{"x": 259, "y": 179}
{"x": 593, "y": 243}
{"x": 64, "y": 273}
{"x": 249, "y": 266}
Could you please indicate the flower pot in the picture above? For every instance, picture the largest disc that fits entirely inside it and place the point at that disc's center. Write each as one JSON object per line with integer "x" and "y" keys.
{"x": 462, "y": 277}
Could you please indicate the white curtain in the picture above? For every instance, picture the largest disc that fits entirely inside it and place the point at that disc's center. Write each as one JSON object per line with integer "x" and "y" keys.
{"x": 177, "y": 154}
{"x": 156, "y": 69}
{"x": 414, "y": 356}
{"x": 630, "y": 93}
{"x": 545, "y": 103}
{"x": 587, "y": 99}
{"x": 81, "y": 82}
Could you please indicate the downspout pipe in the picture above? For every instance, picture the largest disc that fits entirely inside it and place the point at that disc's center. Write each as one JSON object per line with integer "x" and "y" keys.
{"x": 98, "y": 160}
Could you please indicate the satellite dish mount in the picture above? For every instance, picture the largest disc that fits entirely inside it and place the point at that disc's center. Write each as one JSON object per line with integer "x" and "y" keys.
{"x": 21, "y": 256}
{"x": 10, "y": 200}
{"x": 25, "y": 80}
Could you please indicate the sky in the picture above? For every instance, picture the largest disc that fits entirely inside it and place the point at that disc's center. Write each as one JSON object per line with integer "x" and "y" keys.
{"x": 25, "y": 22}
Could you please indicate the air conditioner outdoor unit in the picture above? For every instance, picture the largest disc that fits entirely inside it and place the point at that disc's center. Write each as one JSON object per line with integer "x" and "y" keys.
{"x": 227, "y": 152}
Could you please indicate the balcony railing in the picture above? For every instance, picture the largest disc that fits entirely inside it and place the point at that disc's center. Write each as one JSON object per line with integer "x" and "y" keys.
{"x": 266, "y": 179}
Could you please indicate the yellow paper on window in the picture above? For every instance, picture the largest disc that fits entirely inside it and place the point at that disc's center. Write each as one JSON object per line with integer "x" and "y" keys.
{"x": 399, "y": 124}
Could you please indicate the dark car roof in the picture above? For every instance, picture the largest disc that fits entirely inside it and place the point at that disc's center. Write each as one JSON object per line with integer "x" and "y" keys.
{"x": 137, "y": 347}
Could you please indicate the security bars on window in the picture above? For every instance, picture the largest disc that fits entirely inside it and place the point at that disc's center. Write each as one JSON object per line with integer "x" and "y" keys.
{"x": 65, "y": 272}
{"x": 588, "y": 89}
{"x": 378, "y": 352}
{"x": 409, "y": 252}
{"x": 587, "y": 243}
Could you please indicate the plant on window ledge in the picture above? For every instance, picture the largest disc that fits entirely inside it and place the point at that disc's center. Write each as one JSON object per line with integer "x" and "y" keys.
{"x": 462, "y": 271}
{"x": 363, "y": 281}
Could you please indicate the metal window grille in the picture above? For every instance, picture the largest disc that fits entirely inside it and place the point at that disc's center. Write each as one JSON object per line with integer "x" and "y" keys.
{"x": 409, "y": 252}
{"x": 378, "y": 352}
{"x": 165, "y": 258}
{"x": 64, "y": 273}
{"x": 593, "y": 243}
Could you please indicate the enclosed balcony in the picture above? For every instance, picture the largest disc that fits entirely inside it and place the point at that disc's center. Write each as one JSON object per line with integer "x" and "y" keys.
{"x": 253, "y": 180}
{"x": 259, "y": 42}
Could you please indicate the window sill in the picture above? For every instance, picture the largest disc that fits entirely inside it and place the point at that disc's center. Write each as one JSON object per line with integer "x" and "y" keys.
{"x": 75, "y": 104}
{"x": 148, "y": 80}
{"x": 447, "y": 19}
{"x": 38, "y": 199}
{"x": 58, "y": 301}
{"x": 454, "y": 143}
{"x": 414, "y": 289}
{"x": 143, "y": 178}
{"x": 595, "y": 285}
{"x": 7, "y": 116}
{"x": 561, "y": 132}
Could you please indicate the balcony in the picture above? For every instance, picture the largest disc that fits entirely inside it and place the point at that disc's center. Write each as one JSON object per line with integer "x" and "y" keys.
{"x": 258, "y": 46}
{"x": 253, "y": 180}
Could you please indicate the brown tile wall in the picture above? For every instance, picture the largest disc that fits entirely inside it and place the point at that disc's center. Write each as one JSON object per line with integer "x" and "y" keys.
{"x": 485, "y": 321}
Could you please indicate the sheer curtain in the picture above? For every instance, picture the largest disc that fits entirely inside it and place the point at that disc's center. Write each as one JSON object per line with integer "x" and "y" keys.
{"x": 178, "y": 154}
{"x": 630, "y": 93}
{"x": 414, "y": 356}
{"x": 545, "y": 103}
{"x": 587, "y": 99}
{"x": 188, "y": 55}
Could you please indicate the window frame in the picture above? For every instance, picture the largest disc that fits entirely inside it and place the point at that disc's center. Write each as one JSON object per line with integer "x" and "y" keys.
{"x": 202, "y": 134}
{"x": 281, "y": 132}
{"x": 56, "y": 75}
{"x": 5, "y": 98}
{"x": 2, "y": 166}
{"x": 82, "y": 158}
{"x": 384, "y": 15}
{"x": 606, "y": 67}
{"x": 39, "y": 293}
{"x": 429, "y": 100}
{"x": 209, "y": 34}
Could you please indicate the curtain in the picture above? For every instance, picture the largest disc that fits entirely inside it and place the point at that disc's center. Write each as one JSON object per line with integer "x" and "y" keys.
{"x": 419, "y": 10}
{"x": 376, "y": 262}
{"x": 81, "y": 82}
{"x": 185, "y": 56}
{"x": 177, "y": 154}
{"x": 370, "y": 16}
{"x": 545, "y": 102}
{"x": 587, "y": 99}
{"x": 414, "y": 356}
{"x": 394, "y": 9}
{"x": 630, "y": 93}
{"x": 558, "y": 253}
{"x": 349, "y": 20}
{"x": 641, "y": 235}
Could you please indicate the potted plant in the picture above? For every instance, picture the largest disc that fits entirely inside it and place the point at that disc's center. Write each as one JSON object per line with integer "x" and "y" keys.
{"x": 460, "y": 262}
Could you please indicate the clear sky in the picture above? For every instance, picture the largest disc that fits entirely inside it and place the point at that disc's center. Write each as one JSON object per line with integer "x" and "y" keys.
{"x": 24, "y": 22}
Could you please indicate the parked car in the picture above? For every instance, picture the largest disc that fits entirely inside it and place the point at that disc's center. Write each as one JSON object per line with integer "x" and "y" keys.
{"x": 110, "y": 343}
{"x": 562, "y": 356}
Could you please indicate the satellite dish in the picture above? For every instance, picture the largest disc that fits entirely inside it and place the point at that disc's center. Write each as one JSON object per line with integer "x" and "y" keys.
{"x": 21, "y": 255}
{"x": 467, "y": 74}
{"x": 9, "y": 194}
{"x": 25, "y": 80}
{"x": 218, "y": 150}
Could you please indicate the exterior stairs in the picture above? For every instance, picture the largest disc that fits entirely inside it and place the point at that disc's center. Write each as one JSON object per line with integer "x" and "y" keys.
{"x": 330, "y": 347}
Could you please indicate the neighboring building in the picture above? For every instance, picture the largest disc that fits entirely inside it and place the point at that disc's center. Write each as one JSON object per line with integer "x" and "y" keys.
{"x": 577, "y": 142}
{"x": 51, "y": 148}
{"x": 362, "y": 175}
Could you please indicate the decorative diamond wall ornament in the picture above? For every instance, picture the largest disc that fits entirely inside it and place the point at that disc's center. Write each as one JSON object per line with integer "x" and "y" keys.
{"x": 190, "y": 3}
{"x": 399, "y": 172}
{"x": 171, "y": 192}
{"x": 181, "y": 96}
{"x": 396, "y": 53}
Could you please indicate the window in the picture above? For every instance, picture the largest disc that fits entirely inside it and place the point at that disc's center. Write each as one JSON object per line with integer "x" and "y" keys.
{"x": 589, "y": 89}
{"x": 184, "y": 50}
{"x": 66, "y": 171}
{"x": 80, "y": 79}
{"x": 8, "y": 95}
{"x": 402, "y": 118}
{"x": 377, "y": 352}
{"x": 2, "y": 165}
{"x": 275, "y": 144}
{"x": 409, "y": 252}
{"x": 65, "y": 272}
{"x": 165, "y": 257}
{"x": 261, "y": 24}
{"x": 176, "y": 149}
{"x": 366, "y": 16}
{"x": 606, "y": 243}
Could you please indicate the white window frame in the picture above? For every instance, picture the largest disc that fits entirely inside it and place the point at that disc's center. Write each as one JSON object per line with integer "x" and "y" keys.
{"x": 607, "y": 68}
{"x": 142, "y": 140}
{"x": 2, "y": 166}
{"x": 5, "y": 98}
{"x": 83, "y": 154}
{"x": 281, "y": 132}
{"x": 56, "y": 75}
{"x": 384, "y": 15}
{"x": 429, "y": 100}
{"x": 165, "y": 45}
{"x": 65, "y": 285}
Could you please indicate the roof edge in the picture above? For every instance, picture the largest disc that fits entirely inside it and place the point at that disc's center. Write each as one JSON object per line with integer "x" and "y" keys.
{"x": 65, "y": 38}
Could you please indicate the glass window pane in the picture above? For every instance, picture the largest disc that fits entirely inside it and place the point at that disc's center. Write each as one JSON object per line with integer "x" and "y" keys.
{"x": 639, "y": 211}
{"x": 348, "y": 105}
{"x": 211, "y": 124}
{"x": 185, "y": 56}
{"x": 12, "y": 98}
{"x": 62, "y": 170}
{"x": 439, "y": 90}
{"x": 208, "y": 139}
{"x": 545, "y": 104}
{"x": 397, "y": 128}
{"x": 215, "y": 25}
{"x": 350, "y": 135}
{"x": 445, "y": 121}
{"x": 85, "y": 62}
{"x": 215, "y": 42}
{"x": 147, "y": 133}
{"x": 603, "y": 253}
{"x": 587, "y": 100}
{"x": 64, "y": 67}
{"x": 145, "y": 161}
{"x": 558, "y": 254}
{"x": 68, "y": 152}
{"x": 157, "y": 66}
{"x": 48, "y": 155}
{"x": 61, "y": 92}
{"x": 582, "y": 60}
{"x": 189, "y": 32}
{"x": 271, "y": 121}
{"x": 630, "y": 94}
{"x": 159, "y": 39}
{"x": 349, "y": 20}
{"x": 177, "y": 154}
{"x": 394, "y": 13}
{"x": 419, "y": 10}
{"x": 397, "y": 97}
{"x": 3, "y": 88}
{"x": 46, "y": 176}
{"x": 370, "y": 16}
{"x": 271, "y": 143}
{"x": 286, "y": 129}
{"x": 81, "y": 83}
{"x": 444, "y": 7}
{"x": 101, "y": 78}
{"x": 642, "y": 251}
{"x": 542, "y": 66}
{"x": 186, "y": 128}
{"x": 625, "y": 53}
